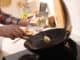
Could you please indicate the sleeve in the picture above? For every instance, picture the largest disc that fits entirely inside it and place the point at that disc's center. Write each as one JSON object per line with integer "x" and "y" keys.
{"x": 8, "y": 19}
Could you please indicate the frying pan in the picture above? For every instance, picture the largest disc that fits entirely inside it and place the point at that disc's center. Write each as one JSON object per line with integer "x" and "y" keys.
{"x": 52, "y": 37}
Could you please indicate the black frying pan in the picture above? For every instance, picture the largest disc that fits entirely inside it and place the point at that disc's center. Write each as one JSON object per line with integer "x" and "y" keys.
{"x": 46, "y": 39}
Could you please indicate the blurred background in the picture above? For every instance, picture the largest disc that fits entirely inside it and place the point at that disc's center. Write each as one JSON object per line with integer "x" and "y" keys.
{"x": 15, "y": 8}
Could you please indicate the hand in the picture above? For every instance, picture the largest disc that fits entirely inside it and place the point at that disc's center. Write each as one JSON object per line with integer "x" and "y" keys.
{"x": 22, "y": 23}
{"x": 11, "y": 31}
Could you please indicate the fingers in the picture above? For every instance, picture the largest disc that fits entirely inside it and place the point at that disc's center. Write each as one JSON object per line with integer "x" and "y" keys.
{"x": 18, "y": 32}
{"x": 12, "y": 31}
{"x": 22, "y": 23}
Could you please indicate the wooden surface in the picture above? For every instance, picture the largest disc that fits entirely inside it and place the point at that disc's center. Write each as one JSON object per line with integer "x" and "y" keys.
{"x": 59, "y": 13}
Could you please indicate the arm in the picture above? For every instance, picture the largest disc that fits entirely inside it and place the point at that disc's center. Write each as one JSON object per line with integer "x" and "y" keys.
{"x": 8, "y": 19}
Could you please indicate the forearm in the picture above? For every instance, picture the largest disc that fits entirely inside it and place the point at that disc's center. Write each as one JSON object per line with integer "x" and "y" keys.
{"x": 1, "y": 31}
{"x": 10, "y": 20}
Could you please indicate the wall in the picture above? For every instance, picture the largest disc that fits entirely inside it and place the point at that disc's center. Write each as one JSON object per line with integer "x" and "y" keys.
{"x": 13, "y": 9}
{"x": 74, "y": 10}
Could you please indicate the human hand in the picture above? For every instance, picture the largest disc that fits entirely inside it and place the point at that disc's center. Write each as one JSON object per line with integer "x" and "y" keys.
{"x": 11, "y": 31}
{"x": 22, "y": 23}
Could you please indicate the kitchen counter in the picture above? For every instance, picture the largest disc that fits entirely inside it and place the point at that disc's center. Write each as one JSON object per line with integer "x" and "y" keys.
{"x": 13, "y": 49}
